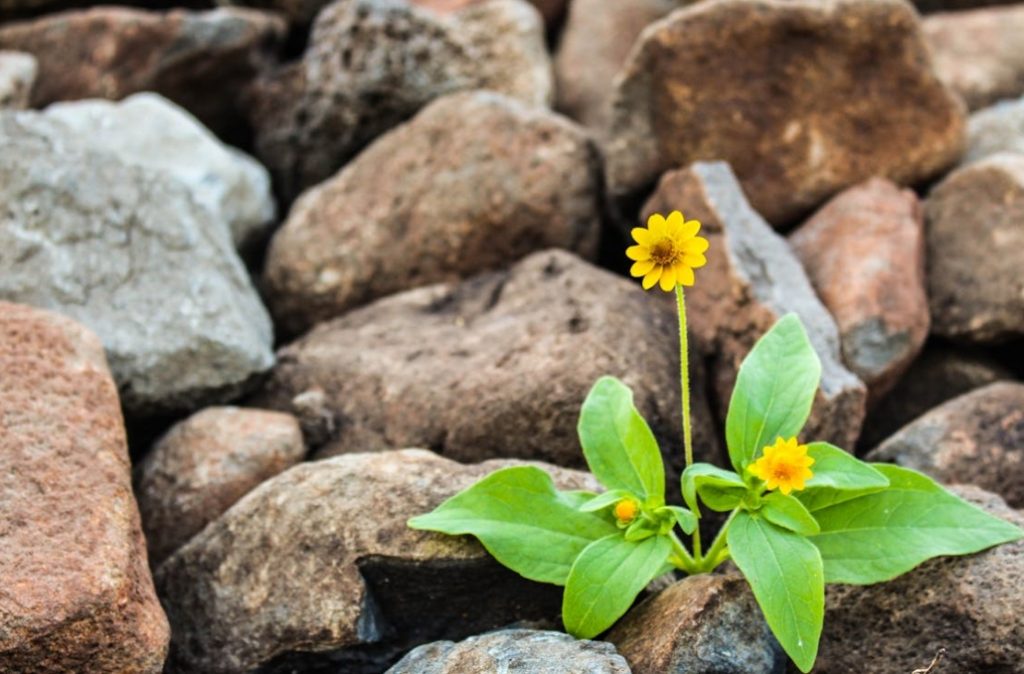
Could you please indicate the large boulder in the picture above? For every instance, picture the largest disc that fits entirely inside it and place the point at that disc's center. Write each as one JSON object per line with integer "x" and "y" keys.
{"x": 17, "y": 77}
{"x": 365, "y": 234}
{"x": 76, "y": 592}
{"x": 810, "y": 97}
{"x": 999, "y": 128}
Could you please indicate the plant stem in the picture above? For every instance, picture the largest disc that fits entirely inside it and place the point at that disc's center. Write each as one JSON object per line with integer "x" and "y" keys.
{"x": 710, "y": 561}
{"x": 684, "y": 381}
{"x": 687, "y": 563}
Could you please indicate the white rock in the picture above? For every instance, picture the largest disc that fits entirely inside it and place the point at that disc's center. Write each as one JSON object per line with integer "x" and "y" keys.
{"x": 17, "y": 75}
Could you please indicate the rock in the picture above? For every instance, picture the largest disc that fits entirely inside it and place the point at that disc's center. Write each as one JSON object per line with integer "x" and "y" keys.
{"x": 811, "y": 97}
{"x": 968, "y": 605}
{"x": 496, "y": 366}
{"x": 975, "y": 251}
{"x": 362, "y": 235}
{"x": 700, "y": 625}
{"x": 977, "y": 438}
{"x": 595, "y": 44}
{"x": 318, "y": 562}
{"x": 864, "y": 254}
{"x": 206, "y": 463}
{"x": 947, "y": 5}
{"x": 314, "y": 116}
{"x": 17, "y": 76}
{"x": 148, "y": 130}
{"x": 77, "y": 595}
{"x": 999, "y": 128}
{"x": 199, "y": 60}
{"x": 130, "y": 254}
{"x": 979, "y": 54}
{"x": 752, "y": 279}
{"x": 514, "y": 651}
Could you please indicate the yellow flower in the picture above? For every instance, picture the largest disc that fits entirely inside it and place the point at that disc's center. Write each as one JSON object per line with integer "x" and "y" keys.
{"x": 784, "y": 465}
{"x": 667, "y": 251}
{"x": 626, "y": 510}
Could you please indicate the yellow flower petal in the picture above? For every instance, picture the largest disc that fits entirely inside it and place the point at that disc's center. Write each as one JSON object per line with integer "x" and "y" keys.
{"x": 685, "y": 276}
{"x": 656, "y": 225}
{"x": 668, "y": 279}
{"x": 689, "y": 229}
{"x": 694, "y": 261}
{"x": 675, "y": 221}
{"x": 696, "y": 245}
{"x": 638, "y": 253}
{"x": 641, "y": 235}
{"x": 641, "y": 268}
{"x": 652, "y": 278}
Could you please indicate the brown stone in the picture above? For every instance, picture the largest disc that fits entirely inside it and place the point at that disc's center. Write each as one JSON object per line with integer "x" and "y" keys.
{"x": 700, "y": 625}
{"x": 318, "y": 561}
{"x": 979, "y": 54}
{"x": 753, "y": 279}
{"x": 363, "y": 234}
{"x": 947, "y": 5}
{"x": 975, "y": 251}
{"x": 76, "y": 596}
{"x": 206, "y": 463}
{"x": 551, "y": 10}
{"x": 810, "y": 97}
{"x": 864, "y": 254}
{"x": 969, "y": 606}
{"x": 17, "y": 77}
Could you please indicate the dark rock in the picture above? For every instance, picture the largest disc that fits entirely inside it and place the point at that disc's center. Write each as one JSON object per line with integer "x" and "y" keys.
{"x": 999, "y": 128}
{"x": 947, "y": 5}
{"x": 17, "y": 77}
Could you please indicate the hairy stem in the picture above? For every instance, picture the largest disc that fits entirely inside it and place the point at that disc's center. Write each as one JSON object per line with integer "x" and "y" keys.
{"x": 711, "y": 560}
{"x": 681, "y": 557}
{"x": 684, "y": 382}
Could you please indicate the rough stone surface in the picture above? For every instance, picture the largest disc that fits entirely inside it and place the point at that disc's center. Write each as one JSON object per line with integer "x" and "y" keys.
{"x": 17, "y": 76}
{"x": 514, "y": 651}
{"x": 319, "y": 560}
{"x": 75, "y": 590}
{"x": 700, "y": 625}
{"x": 977, "y": 438}
{"x": 199, "y": 60}
{"x": 313, "y": 116}
{"x": 752, "y": 279}
{"x": 947, "y": 5}
{"x": 979, "y": 53}
{"x": 968, "y": 605}
{"x": 148, "y": 130}
{"x": 999, "y": 128}
{"x": 364, "y": 234}
{"x": 130, "y": 254}
{"x": 206, "y": 463}
{"x": 811, "y": 97}
{"x": 496, "y": 366}
{"x": 864, "y": 254}
{"x": 975, "y": 251}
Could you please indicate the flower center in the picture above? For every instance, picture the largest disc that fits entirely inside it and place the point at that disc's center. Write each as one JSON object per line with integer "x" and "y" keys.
{"x": 663, "y": 253}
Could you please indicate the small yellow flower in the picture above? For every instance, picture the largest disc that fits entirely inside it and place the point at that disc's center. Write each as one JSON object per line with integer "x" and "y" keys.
{"x": 784, "y": 465}
{"x": 626, "y": 510}
{"x": 667, "y": 251}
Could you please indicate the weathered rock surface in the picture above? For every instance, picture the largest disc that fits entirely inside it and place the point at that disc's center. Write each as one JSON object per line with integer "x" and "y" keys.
{"x": 947, "y": 5}
{"x": 798, "y": 118}
{"x": 977, "y": 438}
{"x": 514, "y": 651}
{"x": 700, "y": 625}
{"x": 17, "y": 76}
{"x": 199, "y": 60}
{"x": 318, "y": 562}
{"x": 496, "y": 366}
{"x": 999, "y": 128}
{"x": 979, "y": 53}
{"x": 148, "y": 130}
{"x": 968, "y": 605}
{"x": 313, "y": 116}
{"x": 752, "y": 279}
{"x": 975, "y": 251}
{"x": 130, "y": 254}
{"x": 75, "y": 590}
{"x": 365, "y": 234}
{"x": 864, "y": 254}
{"x": 206, "y": 463}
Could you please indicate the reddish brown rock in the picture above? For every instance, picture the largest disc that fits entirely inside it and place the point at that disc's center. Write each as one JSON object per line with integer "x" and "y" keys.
{"x": 752, "y": 279}
{"x": 979, "y": 54}
{"x": 975, "y": 251}
{"x": 75, "y": 590}
{"x": 362, "y": 234}
{"x": 206, "y": 463}
{"x": 864, "y": 254}
{"x": 17, "y": 77}
{"x": 811, "y": 96}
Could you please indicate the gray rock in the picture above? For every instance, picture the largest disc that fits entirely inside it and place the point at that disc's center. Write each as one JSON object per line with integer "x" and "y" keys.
{"x": 130, "y": 254}
{"x": 514, "y": 651}
{"x": 17, "y": 76}
{"x": 999, "y": 128}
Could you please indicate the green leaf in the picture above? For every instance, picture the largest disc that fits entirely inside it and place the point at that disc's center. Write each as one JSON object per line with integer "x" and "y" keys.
{"x": 606, "y": 578}
{"x": 687, "y": 520}
{"x": 838, "y": 477}
{"x": 617, "y": 443}
{"x": 577, "y": 497}
{"x": 604, "y": 500}
{"x": 522, "y": 521}
{"x": 774, "y": 391}
{"x": 788, "y": 513}
{"x": 785, "y": 571}
{"x": 876, "y": 537}
{"x": 721, "y": 490}
{"x": 640, "y": 529}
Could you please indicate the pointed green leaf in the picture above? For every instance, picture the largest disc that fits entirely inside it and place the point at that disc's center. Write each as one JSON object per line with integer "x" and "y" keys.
{"x": 577, "y": 497}
{"x": 608, "y": 498}
{"x": 606, "y": 578}
{"x": 720, "y": 489}
{"x": 774, "y": 391}
{"x": 838, "y": 477}
{"x": 878, "y": 536}
{"x": 788, "y": 513}
{"x": 687, "y": 520}
{"x": 785, "y": 572}
{"x": 618, "y": 444}
{"x": 522, "y": 521}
